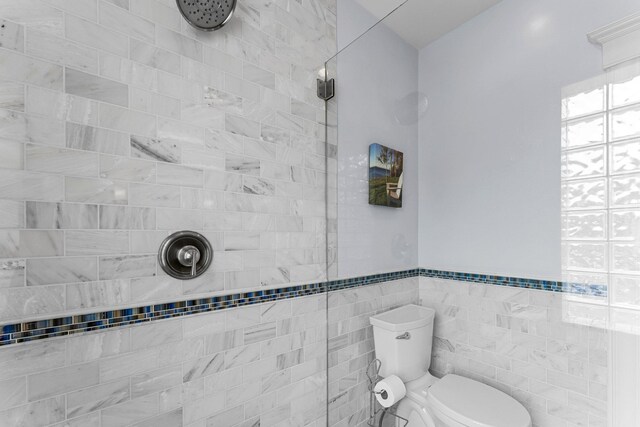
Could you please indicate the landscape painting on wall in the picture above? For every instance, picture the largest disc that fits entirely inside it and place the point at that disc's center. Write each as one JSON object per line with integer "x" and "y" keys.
{"x": 385, "y": 176}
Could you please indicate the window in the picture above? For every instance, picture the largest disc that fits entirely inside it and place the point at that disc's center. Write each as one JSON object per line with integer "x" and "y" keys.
{"x": 600, "y": 181}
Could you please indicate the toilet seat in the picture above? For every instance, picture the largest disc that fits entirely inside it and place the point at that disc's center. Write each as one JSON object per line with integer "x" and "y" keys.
{"x": 474, "y": 404}
{"x": 462, "y": 402}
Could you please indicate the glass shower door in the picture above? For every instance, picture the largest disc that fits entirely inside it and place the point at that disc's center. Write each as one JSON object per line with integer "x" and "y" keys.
{"x": 375, "y": 82}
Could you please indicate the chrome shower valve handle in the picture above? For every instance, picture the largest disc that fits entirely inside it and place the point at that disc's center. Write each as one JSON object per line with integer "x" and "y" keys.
{"x": 185, "y": 255}
{"x": 189, "y": 256}
{"x": 195, "y": 255}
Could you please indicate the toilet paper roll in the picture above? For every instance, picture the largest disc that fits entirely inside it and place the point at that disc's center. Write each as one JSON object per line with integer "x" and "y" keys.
{"x": 389, "y": 391}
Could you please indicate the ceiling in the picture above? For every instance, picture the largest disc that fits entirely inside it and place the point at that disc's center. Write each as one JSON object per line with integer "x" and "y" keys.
{"x": 420, "y": 22}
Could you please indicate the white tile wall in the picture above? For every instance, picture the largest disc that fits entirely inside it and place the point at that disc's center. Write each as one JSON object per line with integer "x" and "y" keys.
{"x": 524, "y": 343}
{"x": 260, "y": 365}
{"x": 351, "y": 347}
{"x": 119, "y": 124}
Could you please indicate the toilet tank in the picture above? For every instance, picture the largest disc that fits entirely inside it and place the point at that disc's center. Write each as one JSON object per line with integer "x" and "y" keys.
{"x": 403, "y": 339}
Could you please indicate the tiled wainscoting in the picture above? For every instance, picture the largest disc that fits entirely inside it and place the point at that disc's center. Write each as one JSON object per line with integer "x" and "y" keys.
{"x": 351, "y": 344}
{"x": 260, "y": 365}
{"x": 266, "y": 363}
{"x": 525, "y": 343}
{"x": 263, "y": 364}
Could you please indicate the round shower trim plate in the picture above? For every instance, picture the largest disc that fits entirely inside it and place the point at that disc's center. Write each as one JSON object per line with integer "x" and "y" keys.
{"x": 172, "y": 249}
{"x": 207, "y": 15}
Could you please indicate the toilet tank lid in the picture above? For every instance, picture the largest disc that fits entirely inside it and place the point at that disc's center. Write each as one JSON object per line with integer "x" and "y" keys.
{"x": 403, "y": 318}
{"x": 475, "y": 404}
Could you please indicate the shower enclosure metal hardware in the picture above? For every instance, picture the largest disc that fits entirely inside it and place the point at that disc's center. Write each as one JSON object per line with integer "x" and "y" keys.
{"x": 185, "y": 255}
{"x": 207, "y": 15}
{"x": 326, "y": 89}
{"x": 373, "y": 374}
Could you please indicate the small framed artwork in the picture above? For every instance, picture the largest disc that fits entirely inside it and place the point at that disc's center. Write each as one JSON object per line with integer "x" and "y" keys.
{"x": 385, "y": 176}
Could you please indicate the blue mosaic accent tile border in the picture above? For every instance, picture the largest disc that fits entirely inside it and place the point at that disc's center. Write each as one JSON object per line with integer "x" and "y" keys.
{"x": 68, "y": 325}
{"x": 541, "y": 285}
{"x": 337, "y": 285}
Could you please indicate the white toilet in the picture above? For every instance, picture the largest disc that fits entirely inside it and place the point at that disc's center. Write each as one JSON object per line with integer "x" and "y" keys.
{"x": 403, "y": 339}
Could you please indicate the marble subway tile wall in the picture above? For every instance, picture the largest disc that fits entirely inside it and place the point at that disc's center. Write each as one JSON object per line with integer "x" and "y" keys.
{"x": 119, "y": 124}
{"x": 525, "y": 343}
{"x": 351, "y": 346}
{"x": 259, "y": 365}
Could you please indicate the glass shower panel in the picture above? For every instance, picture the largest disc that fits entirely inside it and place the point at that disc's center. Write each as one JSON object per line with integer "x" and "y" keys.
{"x": 585, "y": 315}
{"x": 376, "y": 102}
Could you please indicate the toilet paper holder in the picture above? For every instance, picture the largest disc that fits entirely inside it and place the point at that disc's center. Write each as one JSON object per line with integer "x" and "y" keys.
{"x": 383, "y": 393}
{"x": 373, "y": 374}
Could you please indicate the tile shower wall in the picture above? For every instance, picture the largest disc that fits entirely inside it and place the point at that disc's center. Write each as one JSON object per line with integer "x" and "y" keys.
{"x": 262, "y": 365}
{"x": 521, "y": 342}
{"x": 351, "y": 345}
{"x": 119, "y": 124}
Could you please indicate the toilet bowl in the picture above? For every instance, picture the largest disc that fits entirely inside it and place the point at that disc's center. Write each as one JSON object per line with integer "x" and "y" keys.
{"x": 403, "y": 340}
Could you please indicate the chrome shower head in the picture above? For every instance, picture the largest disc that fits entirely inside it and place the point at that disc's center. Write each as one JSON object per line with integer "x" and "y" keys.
{"x": 207, "y": 15}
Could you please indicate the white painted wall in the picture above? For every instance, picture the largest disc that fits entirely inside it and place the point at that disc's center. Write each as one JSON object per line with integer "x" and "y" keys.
{"x": 376, "y": 78}
{"x": 490, "y": 143}
{"x": 353, "y": 21}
